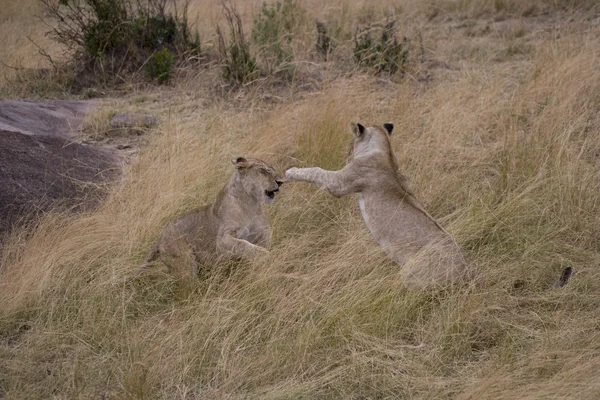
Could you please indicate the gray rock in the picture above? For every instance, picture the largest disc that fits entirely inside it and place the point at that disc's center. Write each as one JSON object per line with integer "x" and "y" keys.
{"x": 43, "y": 118}
{"x": 43, "y": 166}
{"x": 130, "y": 120}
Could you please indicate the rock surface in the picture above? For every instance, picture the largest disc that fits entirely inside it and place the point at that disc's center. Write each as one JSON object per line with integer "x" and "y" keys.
{"x": 41, "y": 164}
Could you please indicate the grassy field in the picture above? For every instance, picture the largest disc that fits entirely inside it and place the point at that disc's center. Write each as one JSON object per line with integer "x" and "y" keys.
{"x": 497, "y": 121}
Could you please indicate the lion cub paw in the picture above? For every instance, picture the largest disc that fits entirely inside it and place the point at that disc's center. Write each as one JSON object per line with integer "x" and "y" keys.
{"x": 292, "y": 173}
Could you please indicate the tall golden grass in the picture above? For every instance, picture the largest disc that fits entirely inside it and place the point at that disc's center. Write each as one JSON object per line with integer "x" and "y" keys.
{"x": 22, "y": 37}
{"x": 500, "y": 146}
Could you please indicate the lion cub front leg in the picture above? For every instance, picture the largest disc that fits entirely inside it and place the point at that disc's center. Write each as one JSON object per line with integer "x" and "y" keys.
{"x": 239, "y": 248}
{"x": 259, "y": 233}
{"x": 337, "y": 183}
{"x": 263, "y": 238}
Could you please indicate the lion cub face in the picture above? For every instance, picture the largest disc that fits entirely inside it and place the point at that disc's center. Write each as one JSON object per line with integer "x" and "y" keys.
{"x": 260, "y": 180}
{"x": 369, "y": 140}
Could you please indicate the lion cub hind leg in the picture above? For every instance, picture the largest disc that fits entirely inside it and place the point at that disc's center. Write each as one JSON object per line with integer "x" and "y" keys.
{"x": 436, "y": 265}
{"x": 180, "y": 258}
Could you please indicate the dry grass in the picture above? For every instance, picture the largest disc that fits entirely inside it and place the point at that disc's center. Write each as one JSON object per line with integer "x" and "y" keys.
{"x": 501, "y": 146}
{"x": 21, "y": 34}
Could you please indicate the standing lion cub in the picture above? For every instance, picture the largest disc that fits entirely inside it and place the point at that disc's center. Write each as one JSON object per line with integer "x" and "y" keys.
{"x": 429, "y": 256}
{"x": 234, "y": 226}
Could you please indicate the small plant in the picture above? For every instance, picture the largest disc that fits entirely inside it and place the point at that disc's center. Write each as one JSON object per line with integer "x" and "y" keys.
{"x": 160, "y": 65}
{"x": 273, "y": 33}
{"x": 385, "y": 55}
{"x": 239, "y": 66}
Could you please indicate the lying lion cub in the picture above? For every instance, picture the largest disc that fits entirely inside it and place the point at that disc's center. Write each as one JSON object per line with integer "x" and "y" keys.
{"x": 396, "y": 219}
{"x": 234, "y": 226}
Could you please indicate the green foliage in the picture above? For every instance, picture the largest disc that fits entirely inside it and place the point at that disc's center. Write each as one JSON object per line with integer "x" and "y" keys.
{"x": 119, "y": 36}
{"x": 239, "y": 66}
{"x": 155, "y": 30}
{"x": 160, "y": 66}
{"x": 385, "y": 55}
{"x": 273, "y": 32}
{"x": 105, "y": 31}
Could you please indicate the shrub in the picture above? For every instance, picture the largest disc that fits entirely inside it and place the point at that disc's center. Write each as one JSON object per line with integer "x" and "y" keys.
{"x": 273, "y": 33}
{"x": 385, "y": 55}
{"x": 104, "y": 33}
{"x": 114, "y": 37}
{"x": 239, "y": 66}
{"x": 160, "y": 65}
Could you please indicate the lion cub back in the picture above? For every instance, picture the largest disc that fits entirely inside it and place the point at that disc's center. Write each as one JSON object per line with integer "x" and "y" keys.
{"x": 197, "y": 228}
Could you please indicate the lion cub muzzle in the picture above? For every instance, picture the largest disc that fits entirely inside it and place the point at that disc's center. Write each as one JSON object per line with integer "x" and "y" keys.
{"x": 270, "y": 192}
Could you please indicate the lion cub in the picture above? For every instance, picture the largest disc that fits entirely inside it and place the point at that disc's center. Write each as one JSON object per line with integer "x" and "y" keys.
{"x": 396, "y": 219}
{"x": 234, "y": 226}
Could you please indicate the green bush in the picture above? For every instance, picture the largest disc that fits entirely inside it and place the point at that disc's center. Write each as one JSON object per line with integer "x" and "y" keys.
{"x": 385, "y": 55}
{"x": 104, "y": 32}
{"x": 160, "y": 66}
{"x": 155, "y": 30}
{"x": 110, "y": 38}
{"x": 272, "y": 32}
{"x": 239, "y": 66}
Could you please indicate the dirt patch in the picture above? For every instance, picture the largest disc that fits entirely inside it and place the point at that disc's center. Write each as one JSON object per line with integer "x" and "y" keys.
{"x": 41, "y": 166}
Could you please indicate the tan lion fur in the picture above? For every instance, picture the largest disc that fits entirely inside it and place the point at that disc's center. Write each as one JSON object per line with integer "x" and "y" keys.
{"x": 429, "y": 256}
{"x": 233, "y": 227}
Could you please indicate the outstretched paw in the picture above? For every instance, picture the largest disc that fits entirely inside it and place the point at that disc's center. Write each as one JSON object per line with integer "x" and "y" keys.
{"x": 292, "y": 173}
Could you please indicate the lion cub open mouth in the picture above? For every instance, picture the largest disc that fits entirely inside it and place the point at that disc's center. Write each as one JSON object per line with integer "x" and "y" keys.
{"x": 271, "y": 193}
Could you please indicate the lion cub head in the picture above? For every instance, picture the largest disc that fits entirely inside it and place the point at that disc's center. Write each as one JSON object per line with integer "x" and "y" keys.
{"x": 369, "y": 140}
{"x": 258, "y": 178}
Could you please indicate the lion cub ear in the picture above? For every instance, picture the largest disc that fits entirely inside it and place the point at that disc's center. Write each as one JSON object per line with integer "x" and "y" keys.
{"x": 389, "y": 127}
{"x": 357, "y": 129}
{"x": 241, "y": 162}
